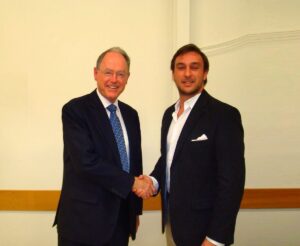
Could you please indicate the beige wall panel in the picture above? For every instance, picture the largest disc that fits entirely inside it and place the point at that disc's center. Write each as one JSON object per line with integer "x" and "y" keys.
{"x": 253, "y": 47}
{"x": 48, "y": 51}
{"x": 254, "y": 50}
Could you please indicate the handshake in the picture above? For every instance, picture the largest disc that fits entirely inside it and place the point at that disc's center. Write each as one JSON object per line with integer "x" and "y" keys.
{"x": 143, "y": 187}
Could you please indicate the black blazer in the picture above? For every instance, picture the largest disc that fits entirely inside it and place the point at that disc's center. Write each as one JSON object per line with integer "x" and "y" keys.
{"x": 207, "y": 177}
{"x": 94, "y": 183}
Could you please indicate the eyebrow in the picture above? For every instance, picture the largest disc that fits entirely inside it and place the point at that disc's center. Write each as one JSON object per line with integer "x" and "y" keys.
{"x": 192, "y": 63}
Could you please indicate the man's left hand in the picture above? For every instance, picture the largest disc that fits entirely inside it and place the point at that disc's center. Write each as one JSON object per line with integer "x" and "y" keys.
{"x": 207, "y": 243}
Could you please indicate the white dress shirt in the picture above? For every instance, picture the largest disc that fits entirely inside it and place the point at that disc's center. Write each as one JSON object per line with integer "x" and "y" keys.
{"x": 175, "y": 130}
{"x": 106, "y": 103}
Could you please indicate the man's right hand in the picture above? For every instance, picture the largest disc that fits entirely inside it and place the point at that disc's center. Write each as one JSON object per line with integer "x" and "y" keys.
{"x": 143, "y": 187}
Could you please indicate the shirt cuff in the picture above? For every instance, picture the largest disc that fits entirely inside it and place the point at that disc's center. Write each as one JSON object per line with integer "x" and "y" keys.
{"x": 155, "y": 184}
{"x": 215, "y": 242}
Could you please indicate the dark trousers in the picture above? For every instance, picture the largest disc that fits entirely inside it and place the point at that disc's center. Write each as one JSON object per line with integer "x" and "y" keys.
{"x": 120, "y": 236}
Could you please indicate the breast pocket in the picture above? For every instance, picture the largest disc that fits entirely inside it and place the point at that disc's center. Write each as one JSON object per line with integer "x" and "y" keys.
{"x": 199, "y": 146}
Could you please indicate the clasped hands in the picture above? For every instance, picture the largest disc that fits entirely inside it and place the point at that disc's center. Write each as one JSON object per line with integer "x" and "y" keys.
{"x": 143, "y": 187}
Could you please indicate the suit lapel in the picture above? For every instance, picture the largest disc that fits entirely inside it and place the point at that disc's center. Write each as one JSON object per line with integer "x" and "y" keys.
{"x": 103, "y": 124}
{"x": 165, "y": 129}
{"x": 194, "y": 118}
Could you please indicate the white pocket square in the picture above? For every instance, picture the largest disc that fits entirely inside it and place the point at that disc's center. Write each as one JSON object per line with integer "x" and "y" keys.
{"x": 203, "y": 137}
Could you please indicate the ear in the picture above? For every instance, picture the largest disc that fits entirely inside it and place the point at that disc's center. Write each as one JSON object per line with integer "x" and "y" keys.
{"x": 205, "y": 75}
{"x": 96, "y": 71}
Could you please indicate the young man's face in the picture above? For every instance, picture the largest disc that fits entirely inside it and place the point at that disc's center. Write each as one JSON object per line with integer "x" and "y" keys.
{"x": 189, "y": 74}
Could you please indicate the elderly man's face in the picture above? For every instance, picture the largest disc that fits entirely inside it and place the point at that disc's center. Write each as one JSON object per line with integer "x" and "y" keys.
{"x": 112, "y": 75}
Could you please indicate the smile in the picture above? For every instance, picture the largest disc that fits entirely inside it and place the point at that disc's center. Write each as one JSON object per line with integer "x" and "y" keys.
{"x": 187, "y": 82}
{"x": 112, "y": 87}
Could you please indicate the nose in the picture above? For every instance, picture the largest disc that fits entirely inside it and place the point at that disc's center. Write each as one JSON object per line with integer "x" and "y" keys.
{"x": 114, "y": 77}
{"x": 187, "y": 72}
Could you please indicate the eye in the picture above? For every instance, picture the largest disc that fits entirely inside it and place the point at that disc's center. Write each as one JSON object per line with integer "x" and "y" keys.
{"x": 108, "y": 73}
{"x": 195, "y": 66}
{"x": 121, "y": 75}
{"x": 180, "y": 66}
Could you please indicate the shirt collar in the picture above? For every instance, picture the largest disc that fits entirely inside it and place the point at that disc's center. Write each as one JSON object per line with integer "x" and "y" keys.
{"x": 188, "y": 103}
{"x": 106, "y": 102}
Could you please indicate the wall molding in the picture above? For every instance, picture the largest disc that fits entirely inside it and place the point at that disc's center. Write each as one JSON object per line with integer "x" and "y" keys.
{"x": 250, "y": 39}
{"x": 46, "y": 200}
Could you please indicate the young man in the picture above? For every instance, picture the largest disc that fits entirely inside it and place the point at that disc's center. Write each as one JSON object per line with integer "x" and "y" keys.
{"x": 201, "y": 171}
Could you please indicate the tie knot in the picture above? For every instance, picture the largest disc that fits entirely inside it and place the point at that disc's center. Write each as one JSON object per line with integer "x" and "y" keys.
{"x": 112, "y": 108}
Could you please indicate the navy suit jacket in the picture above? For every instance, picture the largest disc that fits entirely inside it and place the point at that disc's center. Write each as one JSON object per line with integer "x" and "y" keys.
{"x": 94, "y": 183}
{"x": 207, "y": 177}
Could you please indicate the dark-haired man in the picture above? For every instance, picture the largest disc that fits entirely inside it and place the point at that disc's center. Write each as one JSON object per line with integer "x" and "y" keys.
{"x": 201, "y": 171}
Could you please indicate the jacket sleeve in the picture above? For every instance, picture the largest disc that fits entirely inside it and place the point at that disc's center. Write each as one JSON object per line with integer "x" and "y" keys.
{"x": 230, "y": 175}
{"x": 159, "y": 170}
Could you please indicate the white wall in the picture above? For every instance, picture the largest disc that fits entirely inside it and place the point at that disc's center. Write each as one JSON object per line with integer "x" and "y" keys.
{"x": 47, "y": 53}
{"x": 48, "y": 50}
{"x": 254, "y": 51}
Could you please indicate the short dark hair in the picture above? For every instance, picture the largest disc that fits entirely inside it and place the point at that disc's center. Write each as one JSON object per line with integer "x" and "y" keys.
{"x": 117, "y": 50}
{"x": 191, "y": 48}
